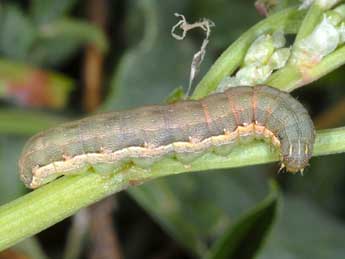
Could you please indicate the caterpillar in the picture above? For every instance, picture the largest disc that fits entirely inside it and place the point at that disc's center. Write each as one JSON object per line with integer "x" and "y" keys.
{"x": 183, "y": 130}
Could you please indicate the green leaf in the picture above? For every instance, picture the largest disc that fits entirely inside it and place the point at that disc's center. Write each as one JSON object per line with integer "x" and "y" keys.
{"x": 44, "y": 11}
{"x": 19, "y": 122}
{"x": 228, "y": 27}
{"x": 60, "y": 39}
{"x": 157, "y": 63}
{"x": 52, "y": 39}
{"x": 325, "y": 189}
{"x": 304, "y": 231}
{"x": 197, "y": 208}
{"x": 244, "y": 238}
{"x": 17, "y": 33}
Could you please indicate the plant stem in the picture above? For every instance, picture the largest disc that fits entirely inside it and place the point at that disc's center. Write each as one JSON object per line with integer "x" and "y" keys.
{"x": 50, "y": 204}
{"x": 290, "y": 78}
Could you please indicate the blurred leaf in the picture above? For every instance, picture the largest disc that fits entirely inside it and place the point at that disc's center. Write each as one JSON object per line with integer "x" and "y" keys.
{"x": 78, "y": 233}
{"x": 326, "y": 189}
{"x": 269, "y": 7}
{"x": 12, "y": 254}
{"x": 197, "y": 208}
{"x": 29, "y": 86}
{"x": 17, "y": 33}
{"x": 44, "y": 11}
{"x": 243, "y": 16}
{"x": 31, "y": 248}
{"x": 19, "y": 122}
{"x": 244, "y": 238}
{"x": 10, "y": 185}
{"x": 232, "y": 18}
{"x": 150, "y": 68}
{"x": 304, "y": 231}
{"x": 49, "y": 41}
{"x": 324, "y": 179}
{"x": 58, "y": 40}
{"x": 282, "y": 4}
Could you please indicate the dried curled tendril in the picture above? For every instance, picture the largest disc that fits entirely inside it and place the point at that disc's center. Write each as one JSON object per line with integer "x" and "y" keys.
{"x": 184, "y": 26}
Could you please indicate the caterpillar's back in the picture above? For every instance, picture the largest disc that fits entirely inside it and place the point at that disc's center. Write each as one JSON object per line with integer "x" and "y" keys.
{"x": 184, "y": 130}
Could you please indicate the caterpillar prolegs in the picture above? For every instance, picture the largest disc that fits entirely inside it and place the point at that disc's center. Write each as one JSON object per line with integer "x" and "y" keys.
{"x": 184, "y": 130}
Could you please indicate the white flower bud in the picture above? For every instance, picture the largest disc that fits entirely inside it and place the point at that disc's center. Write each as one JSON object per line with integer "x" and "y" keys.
{"x": 227, "y": 82}
{"x": 321, "y": 42}
{"x": 260, "y": 50}
{"x": 263, "y": 73}
{"x": 279, "y": 58}
{"x": 278, "y": 39}
{"x": 252, "y": 75}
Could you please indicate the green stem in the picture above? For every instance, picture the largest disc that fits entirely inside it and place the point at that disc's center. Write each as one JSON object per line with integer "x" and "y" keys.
{"x": 290, "y": 77}
{"x": 50, "y": 204}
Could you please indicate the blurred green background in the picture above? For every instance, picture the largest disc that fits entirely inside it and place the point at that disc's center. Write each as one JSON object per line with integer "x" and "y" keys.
{"x": 63, "y": 59}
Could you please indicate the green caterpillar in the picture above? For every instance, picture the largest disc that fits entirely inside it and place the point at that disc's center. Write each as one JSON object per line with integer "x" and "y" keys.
{"x": 184, "y": 130}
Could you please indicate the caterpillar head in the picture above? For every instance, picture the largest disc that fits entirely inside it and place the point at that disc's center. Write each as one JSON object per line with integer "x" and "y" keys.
{"x": 297, "y": 156}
